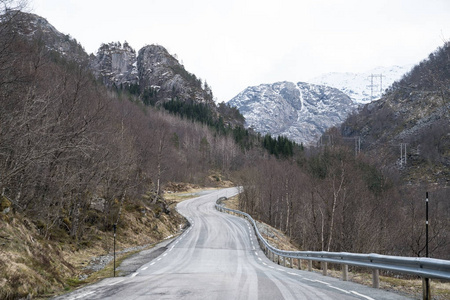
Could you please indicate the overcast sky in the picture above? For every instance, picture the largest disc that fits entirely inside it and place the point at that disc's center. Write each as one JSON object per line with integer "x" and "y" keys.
{"x": 233, "y": 44}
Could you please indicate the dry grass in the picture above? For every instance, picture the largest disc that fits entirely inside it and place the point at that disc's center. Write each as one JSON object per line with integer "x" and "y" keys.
{"x": 31, "y": 266}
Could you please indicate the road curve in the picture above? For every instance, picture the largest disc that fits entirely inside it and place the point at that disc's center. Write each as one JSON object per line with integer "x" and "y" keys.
{"x": 218, "y": 257}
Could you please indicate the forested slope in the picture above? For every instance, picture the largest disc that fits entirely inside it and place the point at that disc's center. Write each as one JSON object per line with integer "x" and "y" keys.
{"x": 363, "y": 188}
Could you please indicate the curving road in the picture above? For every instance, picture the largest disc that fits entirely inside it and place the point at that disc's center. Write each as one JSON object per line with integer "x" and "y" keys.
{"x": 218, "y": 257}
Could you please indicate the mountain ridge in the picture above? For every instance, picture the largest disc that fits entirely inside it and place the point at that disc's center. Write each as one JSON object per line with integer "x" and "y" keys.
{"x": 152, "y": 73}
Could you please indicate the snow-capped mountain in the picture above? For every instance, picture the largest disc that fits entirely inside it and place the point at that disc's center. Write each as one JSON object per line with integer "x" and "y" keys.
{"x": 301, "y": 112}
{"x": 358, "y": 85}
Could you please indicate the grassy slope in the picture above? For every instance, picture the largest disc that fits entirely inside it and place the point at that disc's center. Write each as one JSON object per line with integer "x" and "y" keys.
{"x": 32, "y": 265}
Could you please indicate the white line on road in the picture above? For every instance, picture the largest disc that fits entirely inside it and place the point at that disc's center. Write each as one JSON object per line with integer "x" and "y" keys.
{"x": 323, "y": 282}
{"x": 134, "y": 274}
{"x": 119, "y": 281}
{"x": 83, "y": 295}
{"x": 336, "y": 288}
{"x": 144, "y": 268}
{"x": 361, "y": 295}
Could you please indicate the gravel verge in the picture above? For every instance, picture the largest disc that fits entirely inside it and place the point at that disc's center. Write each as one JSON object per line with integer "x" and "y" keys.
{"x": 134, "y": 262}
{"x": 131, "y": 264}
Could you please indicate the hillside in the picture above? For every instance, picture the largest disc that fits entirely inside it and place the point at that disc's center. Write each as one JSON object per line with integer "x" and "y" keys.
{"x": 413, "y": 113}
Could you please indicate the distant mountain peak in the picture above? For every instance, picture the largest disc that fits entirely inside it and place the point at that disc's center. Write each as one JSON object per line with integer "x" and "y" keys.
{"x": 300, "y": 111}
{"x": 358, "y": 85}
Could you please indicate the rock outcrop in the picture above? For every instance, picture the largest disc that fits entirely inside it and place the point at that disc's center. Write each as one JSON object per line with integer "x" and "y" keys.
{"x": 116, "y": 65}
{"x": 162, "y": 75}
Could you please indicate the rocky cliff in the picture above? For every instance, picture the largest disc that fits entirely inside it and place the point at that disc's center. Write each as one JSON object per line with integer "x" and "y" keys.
{"x": 301, "y": 112}
{"x": 116, "y": 64}
{"x": 154, "y": 74}
{"x": 162, "y": 78}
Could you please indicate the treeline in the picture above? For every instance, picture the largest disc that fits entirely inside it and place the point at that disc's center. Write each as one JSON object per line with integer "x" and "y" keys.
{"x": 331, "y": 200}
{"x": 280, "y": 147}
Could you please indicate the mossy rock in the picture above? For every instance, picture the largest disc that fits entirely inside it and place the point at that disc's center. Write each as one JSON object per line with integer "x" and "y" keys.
{"x": 5, "y": 204}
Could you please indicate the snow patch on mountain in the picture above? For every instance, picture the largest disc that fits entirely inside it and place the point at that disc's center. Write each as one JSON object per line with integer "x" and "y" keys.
{"x": 358, "y": 85}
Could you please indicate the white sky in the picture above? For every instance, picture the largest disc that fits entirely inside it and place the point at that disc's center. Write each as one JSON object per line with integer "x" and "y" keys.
{"x": 233, "y": 44}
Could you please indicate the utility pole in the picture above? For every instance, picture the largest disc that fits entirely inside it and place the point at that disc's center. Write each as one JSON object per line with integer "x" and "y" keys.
{"x": 426, "y": 283}
{"x": 371, "y": 87}
{"x": 357, "y": 145}
{"x": 114, "y": 227}
{"x": 402, "y": 154}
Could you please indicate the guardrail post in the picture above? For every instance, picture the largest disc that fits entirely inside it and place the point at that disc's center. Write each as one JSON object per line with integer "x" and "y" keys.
{"x": 426, "y": 289}
{"x": 310, "y": 265}
{"x": 324, "y": 265}
{"x": 299, "y": 261}
{"x": 345, "y": 272}
{"x": 375, "y": 278}
{"x": 285, "y": 261}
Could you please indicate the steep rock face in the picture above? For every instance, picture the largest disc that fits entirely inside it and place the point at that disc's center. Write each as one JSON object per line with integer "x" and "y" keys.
{"x": 301, "y": 112}
{"x": 157, "y": 75}
{"x": 162, "y": 75}
{"x": 115, "y": 64}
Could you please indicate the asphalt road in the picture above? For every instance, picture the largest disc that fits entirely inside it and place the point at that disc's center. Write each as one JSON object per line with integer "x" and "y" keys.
{"x": 218, "y": 257}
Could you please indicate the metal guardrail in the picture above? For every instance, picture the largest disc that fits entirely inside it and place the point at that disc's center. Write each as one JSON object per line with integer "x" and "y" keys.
{"x": 420, "y": 266}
